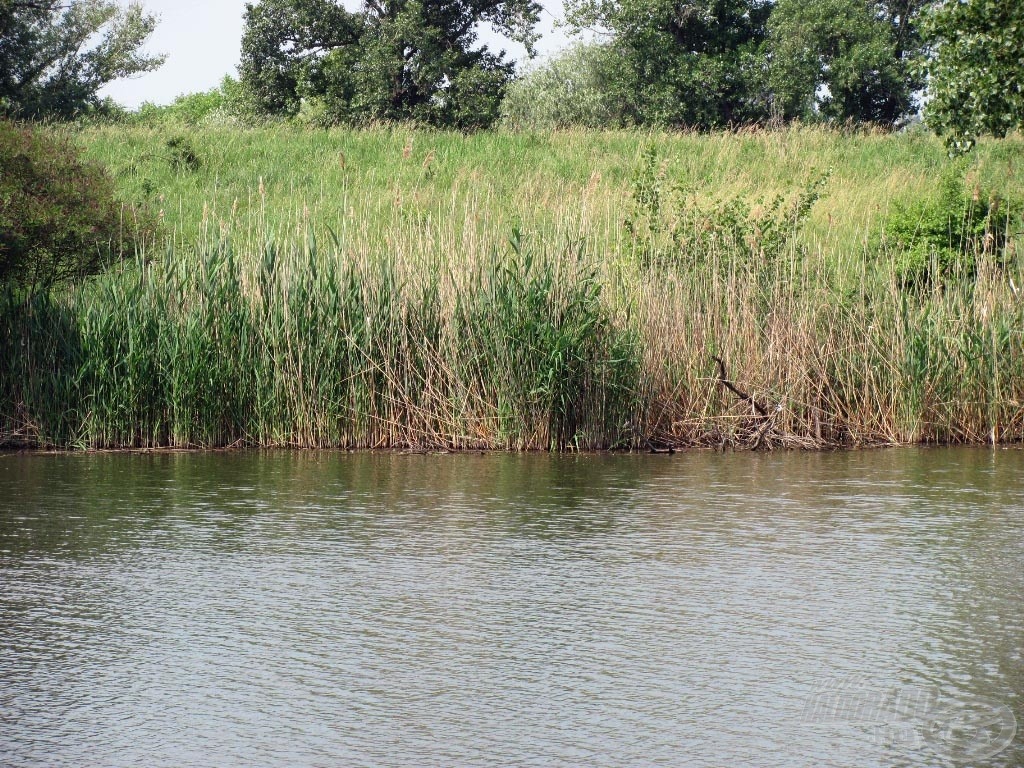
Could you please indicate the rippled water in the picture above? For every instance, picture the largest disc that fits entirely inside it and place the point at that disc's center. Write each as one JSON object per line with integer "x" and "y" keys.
{"x": 325, "y": 609}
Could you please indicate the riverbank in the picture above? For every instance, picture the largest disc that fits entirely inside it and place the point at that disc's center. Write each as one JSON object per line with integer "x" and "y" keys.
{"x": 390, "y": 289}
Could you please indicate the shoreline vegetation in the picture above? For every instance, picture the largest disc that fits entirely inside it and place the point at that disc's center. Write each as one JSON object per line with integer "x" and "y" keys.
{"x": 575, "y": 290}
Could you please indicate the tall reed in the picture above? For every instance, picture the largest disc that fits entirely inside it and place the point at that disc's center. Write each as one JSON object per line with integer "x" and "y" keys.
{"x": 295, "y": 345}
{"x": 333, "y": 289}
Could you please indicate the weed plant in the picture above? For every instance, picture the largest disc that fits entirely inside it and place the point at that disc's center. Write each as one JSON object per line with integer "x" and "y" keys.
{"x": 389, "y": 288}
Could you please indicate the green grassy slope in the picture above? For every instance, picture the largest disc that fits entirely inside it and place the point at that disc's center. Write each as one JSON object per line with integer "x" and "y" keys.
{"x": 403, "y": 288}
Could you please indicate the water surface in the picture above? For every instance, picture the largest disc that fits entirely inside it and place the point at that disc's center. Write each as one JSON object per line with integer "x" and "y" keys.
{"x": 329, "y": 609}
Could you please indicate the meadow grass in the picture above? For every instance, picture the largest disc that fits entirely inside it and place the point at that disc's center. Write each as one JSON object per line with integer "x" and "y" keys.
{"x": 401, "y": 288}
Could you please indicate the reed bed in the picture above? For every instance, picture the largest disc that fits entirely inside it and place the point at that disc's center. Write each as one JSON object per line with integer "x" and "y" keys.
{"x": 389, "y": 289}
{"x": 295, "y": 346}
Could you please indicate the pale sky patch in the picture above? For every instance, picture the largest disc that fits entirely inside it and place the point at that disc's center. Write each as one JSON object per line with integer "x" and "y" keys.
{"x": 202, "y": 40}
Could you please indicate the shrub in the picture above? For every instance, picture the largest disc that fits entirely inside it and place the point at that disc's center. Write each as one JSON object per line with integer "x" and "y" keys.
{"x": 221, "y": 105}
{"x": 678, "y": 226}
{"x": 933, "y": 241}
{"x": 569, "y": 91}
{"x": 182, "y": 154}
{"x": 59, "y": 218}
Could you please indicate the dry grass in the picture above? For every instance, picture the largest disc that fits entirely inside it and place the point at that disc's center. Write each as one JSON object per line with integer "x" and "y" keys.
{"x": 359, "y": 289}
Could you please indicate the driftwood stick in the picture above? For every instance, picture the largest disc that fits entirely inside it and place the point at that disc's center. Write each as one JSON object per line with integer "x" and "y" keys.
{"x": 759, "y": 436}
{"x": 761, "y": 410}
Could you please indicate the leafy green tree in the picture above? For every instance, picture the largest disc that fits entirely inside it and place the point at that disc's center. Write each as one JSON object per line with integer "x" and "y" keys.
{"x": 976, "y": 76}
{"x": 845, "y": 60}
{"x": 697, "y": 63}
{"x": 401, "y": 60}
{"x": 55, "y": 55}
{"x": 59, "y": 217}
{"x": 575, "y": 89}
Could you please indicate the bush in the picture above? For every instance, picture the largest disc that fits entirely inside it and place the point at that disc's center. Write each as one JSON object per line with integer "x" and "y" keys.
{"x": 59, "y": 218}
{"x": 936, "y": 240}
{"x": 223, "y": 105}
{"x": 676, "y": 226}
{"x": 569, "y": 91}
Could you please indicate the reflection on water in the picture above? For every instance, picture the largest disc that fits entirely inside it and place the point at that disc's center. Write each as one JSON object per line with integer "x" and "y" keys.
{"x": 343, "y": 609}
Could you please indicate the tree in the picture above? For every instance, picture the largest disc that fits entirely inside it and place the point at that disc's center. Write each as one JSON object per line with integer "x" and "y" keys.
{"x": 697, "y": 63}
{"x": 401, "y": 60}
{"x": 59, "y": 216}
{"x": 55, "y": 55}
{"x": 976, "y": 75}
{"x": 572, "y": 90}
{"x": 845, "y": 60}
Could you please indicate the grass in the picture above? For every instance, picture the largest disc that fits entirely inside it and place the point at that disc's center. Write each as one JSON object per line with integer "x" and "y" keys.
{"x": 394, "y": 288}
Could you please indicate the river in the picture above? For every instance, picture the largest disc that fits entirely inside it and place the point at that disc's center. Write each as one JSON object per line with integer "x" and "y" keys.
{"x": 330, "y": 609}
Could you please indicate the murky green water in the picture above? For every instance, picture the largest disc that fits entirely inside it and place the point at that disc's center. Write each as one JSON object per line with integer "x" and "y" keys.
{"x": 321, "y": 609}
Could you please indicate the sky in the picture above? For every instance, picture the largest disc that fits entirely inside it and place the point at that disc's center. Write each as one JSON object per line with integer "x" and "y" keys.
{"x": 202, "y": 40}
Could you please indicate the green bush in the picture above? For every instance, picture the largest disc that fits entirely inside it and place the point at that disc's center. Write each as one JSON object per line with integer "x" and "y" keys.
{"x": 217, "y": 106}
{"x": 679, "y": 226}
{"x": 933, "y": 241}
{"x": 572, "y": 90}
{"x": 182, "y": 154}
{"x": 59, "y": 218}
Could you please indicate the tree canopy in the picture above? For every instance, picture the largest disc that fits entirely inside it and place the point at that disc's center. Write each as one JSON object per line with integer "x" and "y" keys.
{"x": 697, "y": 63}
{"x": 845, "y": 60}
{"x": 399, "y": 60}
{"x": 708, "y": 63}
{"x": 55, "y": 55}
{"x": 574, "y": 89}
{"x": 976, "y": 73}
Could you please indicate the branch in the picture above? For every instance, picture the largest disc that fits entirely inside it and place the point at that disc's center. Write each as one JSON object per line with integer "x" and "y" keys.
{"x": 30, "y": 6}
{"x": 737, "y": 391}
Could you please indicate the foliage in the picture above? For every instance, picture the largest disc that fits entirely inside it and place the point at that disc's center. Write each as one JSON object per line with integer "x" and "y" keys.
{"x": 401, "y": 60}
{"x": 356, "y": 288}
{"x": 545, "y": 334}
{"x": 942, "y": 238}
{"x": 223, "y": 104}
{"x": 679, "y": 226}
{"x": 710, "y": 63}
{"x": 572, "y": 90}
{"x": 182, "y": 154}
{"x": 59, "y": 219}
{"x": 976, "y": 77}
{"x": 55, "y": 55}
{"x": 697, "y": 64}
{"x": 845, "y": 60}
